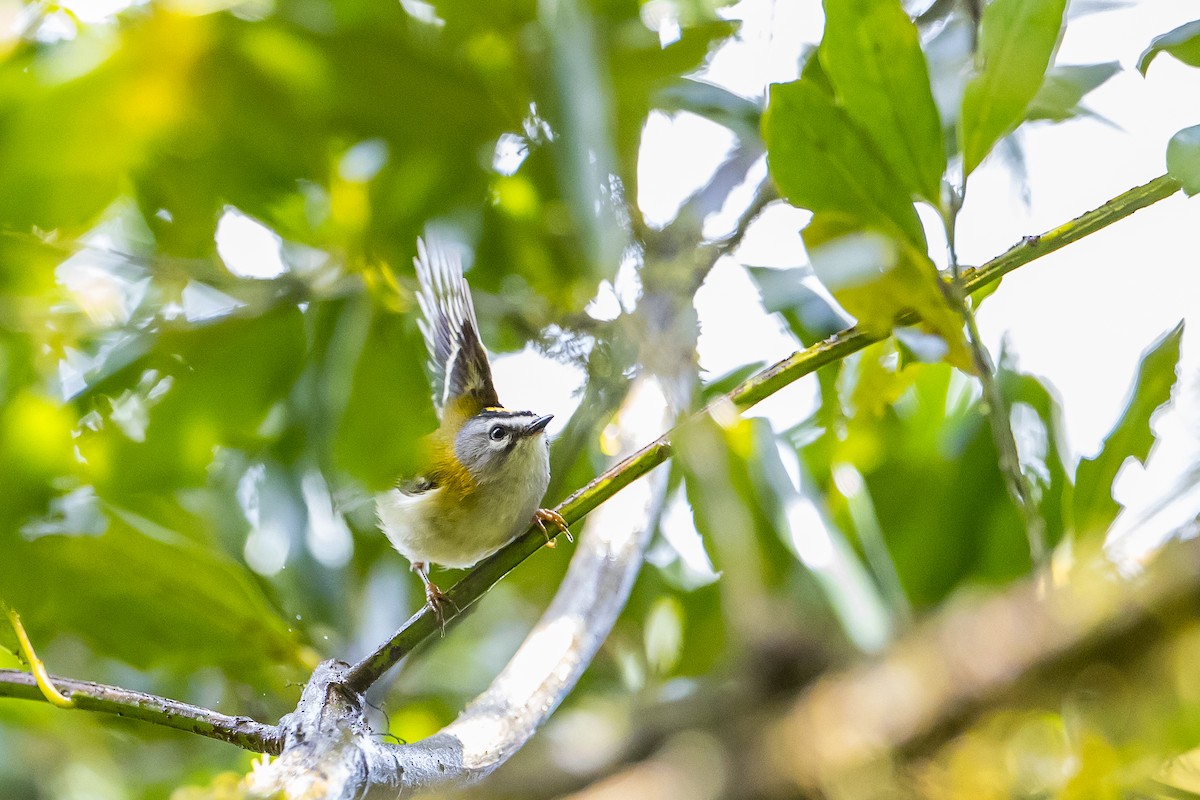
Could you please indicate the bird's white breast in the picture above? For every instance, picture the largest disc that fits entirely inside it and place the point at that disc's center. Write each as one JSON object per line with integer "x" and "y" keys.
{"x": 431, "y": 528}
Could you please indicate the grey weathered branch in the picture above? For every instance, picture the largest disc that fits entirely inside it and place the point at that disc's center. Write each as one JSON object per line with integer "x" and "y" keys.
{"x": 88, "y": 696}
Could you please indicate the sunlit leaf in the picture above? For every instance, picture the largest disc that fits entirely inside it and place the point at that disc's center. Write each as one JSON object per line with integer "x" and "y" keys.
{"x": 873, "y": 58}
{"x": 1131, "y": 437}
{"x": 1016, "y": 42}
{"x": 89, "y": 108}
{"x": 822, "y": 161}
{"x": 1183, "y": 159}
{"x": 1182, "y": 42}
{"x": 1065, "y": 86}
{"x": 877, "y": 278}
{"x": 664, "y": 634}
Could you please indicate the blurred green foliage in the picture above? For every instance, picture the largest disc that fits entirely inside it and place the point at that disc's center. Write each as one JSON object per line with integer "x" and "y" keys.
{"x": 189, "y": 446}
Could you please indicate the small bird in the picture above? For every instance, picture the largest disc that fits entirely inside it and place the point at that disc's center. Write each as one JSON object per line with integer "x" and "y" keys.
{"x": 487, "y": 467}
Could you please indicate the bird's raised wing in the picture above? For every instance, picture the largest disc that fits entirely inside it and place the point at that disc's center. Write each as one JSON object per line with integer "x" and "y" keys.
{"x": 458, "y": 364}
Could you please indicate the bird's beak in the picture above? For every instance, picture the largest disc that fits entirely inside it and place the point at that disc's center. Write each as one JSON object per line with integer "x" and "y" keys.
{"x": 538, "y": 425}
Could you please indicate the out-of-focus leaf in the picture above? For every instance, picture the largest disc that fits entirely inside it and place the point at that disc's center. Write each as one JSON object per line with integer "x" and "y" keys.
{"x": 740, "y": 114}
{"x": 663, "y": 635}
{"x": 735, "y": 505}
{"x": 36, "y": 450}
{"x": 199, "y": 387}
{"x": 1065, "y": 86}
{"x": 1131, "y": 437}
{"x": 872, "y": 55}
{"x": 8, "y": 637}
{"x": 822, "y": 161}
{"x": 1016, "y": 42}
{"x": 1040, "y": 448}
{"x": 88, "y": 108}
{"x": 877, "y": 278}
{"x": 1182, "y": 42}
{"x": 878, "y": 380}
{"x": 1183, "y": 159}
{"x": 929, "y": 470}
{"x": 807, "y": 312}
{"x": 147, "y": 596}
{"x": 388, "y": 408}
{"x": 641, "y": 68}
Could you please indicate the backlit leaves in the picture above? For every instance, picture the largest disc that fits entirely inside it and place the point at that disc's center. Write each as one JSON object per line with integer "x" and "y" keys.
{"x": 1132, "y": 437}
{"x": 1183, "y": 43}
{"x": 1017, "y": 39}
{"x": 822, "y": 161}
{"x": 1183, "y": 159}
{"x": 873, "y": 59}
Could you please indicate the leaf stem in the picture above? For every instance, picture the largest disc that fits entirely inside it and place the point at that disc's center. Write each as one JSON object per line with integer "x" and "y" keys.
{"x": 44, "y": 684}
{"x": 995, "y": 405}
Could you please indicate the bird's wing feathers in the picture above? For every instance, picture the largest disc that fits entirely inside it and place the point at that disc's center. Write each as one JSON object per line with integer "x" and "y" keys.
{"x": 458, "y": 364}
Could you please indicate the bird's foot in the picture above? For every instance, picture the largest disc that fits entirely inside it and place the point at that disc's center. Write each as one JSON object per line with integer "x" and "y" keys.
{"x": 439, "y": 603}
{"x": 437, "y": 600}
{"x": 544, "y": 515}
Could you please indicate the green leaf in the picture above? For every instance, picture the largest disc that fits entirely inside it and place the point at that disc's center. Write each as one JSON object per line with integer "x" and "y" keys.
{"x": 733, "y": 479}
{"x": 1042, "y": 458}
{"x": 202, "y": 385}
{"x": 148, "y": 596}
{"x": 1064, "y": 88}
{"x": 808, "y": 313}
{"x": 1183, "y": 159}
{"x": 388, "y": 408}
{"x": 932, "y": 444}
{"x": 1131, "y": 437}
{"x": 1183, "y": 43}
{"x": 8, "y": 637}
{"x": 872, "y": 55}
{"x": 1016, "y": 41}
{"x": 822, "y": 161}
{"x": 877, "y": 279}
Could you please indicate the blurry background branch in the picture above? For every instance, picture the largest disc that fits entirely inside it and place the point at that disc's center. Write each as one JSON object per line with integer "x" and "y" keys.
{"x": 981, "y": 654}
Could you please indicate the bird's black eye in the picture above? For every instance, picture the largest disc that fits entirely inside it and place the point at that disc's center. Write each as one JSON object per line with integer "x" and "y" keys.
{"x": 497, "y": 433}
